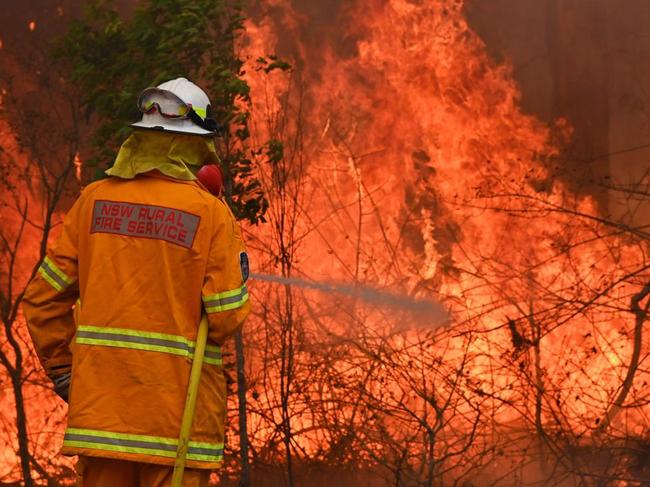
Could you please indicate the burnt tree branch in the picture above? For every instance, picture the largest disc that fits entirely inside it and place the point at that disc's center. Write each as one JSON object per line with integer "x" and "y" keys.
{"x": 640, "y": 317}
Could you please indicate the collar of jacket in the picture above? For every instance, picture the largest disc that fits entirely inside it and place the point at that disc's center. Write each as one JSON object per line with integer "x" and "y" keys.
{"x": 174, "y": 155}
{"x": 157, "y": 174}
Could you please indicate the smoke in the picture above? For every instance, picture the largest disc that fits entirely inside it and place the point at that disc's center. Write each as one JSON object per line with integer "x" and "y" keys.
{"x": 433, "y": 312}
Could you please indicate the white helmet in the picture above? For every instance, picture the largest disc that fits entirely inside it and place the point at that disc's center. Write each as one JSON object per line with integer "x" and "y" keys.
{"x": 176, "y": 106}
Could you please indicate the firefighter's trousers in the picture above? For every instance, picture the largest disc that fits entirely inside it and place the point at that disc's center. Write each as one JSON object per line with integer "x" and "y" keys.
{"x": 108, "y": 472}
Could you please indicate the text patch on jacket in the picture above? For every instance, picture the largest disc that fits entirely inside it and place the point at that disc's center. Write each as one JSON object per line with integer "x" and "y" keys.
{"x": 146, "y": 221}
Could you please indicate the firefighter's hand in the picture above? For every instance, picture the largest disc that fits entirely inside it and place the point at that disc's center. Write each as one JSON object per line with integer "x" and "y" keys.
{"x": 62, "y": 385}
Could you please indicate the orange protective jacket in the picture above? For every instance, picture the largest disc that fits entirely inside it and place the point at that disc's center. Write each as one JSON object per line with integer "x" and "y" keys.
{"x": 140, "y": 258}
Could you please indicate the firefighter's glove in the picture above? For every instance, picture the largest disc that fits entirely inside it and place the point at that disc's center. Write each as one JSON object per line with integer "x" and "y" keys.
{"x": 62, "y": 385}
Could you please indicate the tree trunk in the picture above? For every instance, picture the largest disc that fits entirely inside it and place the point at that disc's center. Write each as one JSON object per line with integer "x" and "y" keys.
{"x": 21, "y": 424}
{"x": 15, "y": 374}
{"x": 245, "y": 480}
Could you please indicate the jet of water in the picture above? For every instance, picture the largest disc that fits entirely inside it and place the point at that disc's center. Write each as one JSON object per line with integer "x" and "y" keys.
{"x": 433, "y": 311}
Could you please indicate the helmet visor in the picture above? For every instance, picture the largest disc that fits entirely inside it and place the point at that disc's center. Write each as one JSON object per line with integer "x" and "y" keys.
{"x": 164, "y": 102}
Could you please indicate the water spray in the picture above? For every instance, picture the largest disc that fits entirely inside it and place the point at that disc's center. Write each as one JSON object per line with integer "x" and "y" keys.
{"x": 433, "y": 311}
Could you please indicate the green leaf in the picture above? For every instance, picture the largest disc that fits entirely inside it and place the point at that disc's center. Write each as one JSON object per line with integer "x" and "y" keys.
{"x": 114, "y": 57}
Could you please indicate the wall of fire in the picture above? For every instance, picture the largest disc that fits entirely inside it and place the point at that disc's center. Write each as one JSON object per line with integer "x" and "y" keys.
{"x": 587, "y": 61}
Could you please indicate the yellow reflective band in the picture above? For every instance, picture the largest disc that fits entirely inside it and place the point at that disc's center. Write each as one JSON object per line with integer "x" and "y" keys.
{"x": 51, "y": 281}
{"x": 120, "y": 436}
{"x": 53, "y": 275}
{"x": 140, "y": 444}
{"x": 201, "y": 112}
{"x": 134, "y": 346}
{"x": 136, "y": 333}
{"x": 141, "y": 340}
{"x": 203, "y": 458}
{"x": 59, "y": 272}
{"x": 212, "y": 360}
{"x": 226, "y": 300}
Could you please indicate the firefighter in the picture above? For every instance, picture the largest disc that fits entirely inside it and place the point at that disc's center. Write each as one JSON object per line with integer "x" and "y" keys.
{"x": 142, "y": 254}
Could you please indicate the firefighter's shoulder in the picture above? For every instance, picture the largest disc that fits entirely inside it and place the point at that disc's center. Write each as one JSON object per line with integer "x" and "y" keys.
{"x": 224, "y": 206}
{"x": 86, "y": 191}
{"x": 218, "y": 204}
{"x": 92, "y": 187}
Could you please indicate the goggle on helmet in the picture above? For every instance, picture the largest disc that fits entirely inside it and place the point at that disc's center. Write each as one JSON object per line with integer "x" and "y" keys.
{"x": 171, "y": 106}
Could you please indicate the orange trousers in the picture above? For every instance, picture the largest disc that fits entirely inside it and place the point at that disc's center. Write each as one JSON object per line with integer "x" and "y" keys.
{"x": 107, "y": 472}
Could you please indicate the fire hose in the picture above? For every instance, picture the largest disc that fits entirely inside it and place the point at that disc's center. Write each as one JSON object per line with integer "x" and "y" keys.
{"x": 190, "y": 402}
{"x": 212, "y": 178}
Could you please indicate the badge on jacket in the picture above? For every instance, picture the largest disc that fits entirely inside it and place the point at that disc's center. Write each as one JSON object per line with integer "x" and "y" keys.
{"x": 243, "y": 264}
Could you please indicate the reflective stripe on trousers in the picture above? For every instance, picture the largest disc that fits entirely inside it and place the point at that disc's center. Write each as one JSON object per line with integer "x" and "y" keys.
{"x": 140, "y": 444}
{"x": 227, "y": 300}
{"x": 148, "y": 341}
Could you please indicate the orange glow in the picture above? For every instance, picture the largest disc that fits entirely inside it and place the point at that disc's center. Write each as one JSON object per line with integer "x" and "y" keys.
{"x": 78, "y": 165}
{"x": 410, "y": 167}
{"x": 46, "y": 413}
{"x": 32, "y": 25}
{"x": 424, "y": 176}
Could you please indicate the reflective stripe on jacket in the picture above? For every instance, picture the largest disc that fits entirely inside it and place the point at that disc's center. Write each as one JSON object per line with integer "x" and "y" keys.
{"x": 140, "y": 258}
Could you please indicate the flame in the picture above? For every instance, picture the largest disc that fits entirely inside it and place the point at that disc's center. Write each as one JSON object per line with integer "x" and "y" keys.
{"x": 410, "y": 167}
{"x": 424, "y": 175}
{"x": 32, "y": 25}
{"x": 78, "y": 165}
{"x": 19, "y": 198}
